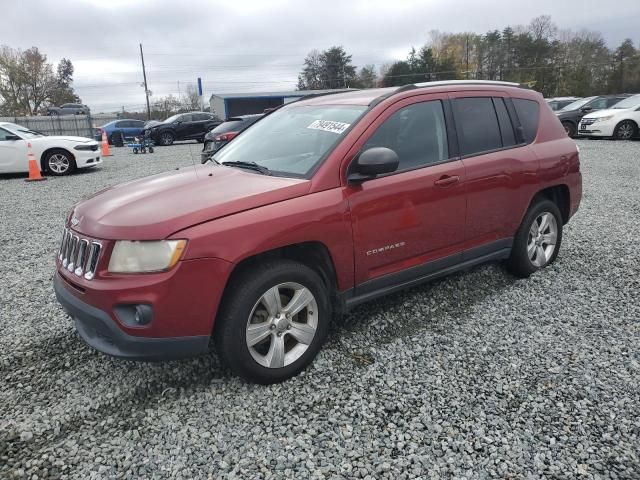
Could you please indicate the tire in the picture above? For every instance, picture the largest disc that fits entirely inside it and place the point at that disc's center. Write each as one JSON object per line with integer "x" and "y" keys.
{"x": 53, "y": 114}
{"x": 625, "y": 130}
{"x": 150, "y": 149}
{"x": 143, "y": 150}
{"x": 167, "y": 138}
{"x": 247, "y": 304}
{"x": 59, "y": 162}
{"x": 529, "y": 256}
{"x": 135, "y": 150}
{"x": 570, "y": 128}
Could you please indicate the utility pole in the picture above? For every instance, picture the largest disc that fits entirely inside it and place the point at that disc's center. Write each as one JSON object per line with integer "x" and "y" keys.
{"x": 467, "y": 57}
{"x": 146, "y": 88}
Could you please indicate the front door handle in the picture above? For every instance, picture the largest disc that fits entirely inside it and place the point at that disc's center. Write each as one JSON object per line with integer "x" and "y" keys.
{"x": 447, "y": 180}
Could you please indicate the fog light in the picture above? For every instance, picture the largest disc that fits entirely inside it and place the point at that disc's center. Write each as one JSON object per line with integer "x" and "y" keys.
{"x": 143, "y": 314}
{"x": 134, "y": 315}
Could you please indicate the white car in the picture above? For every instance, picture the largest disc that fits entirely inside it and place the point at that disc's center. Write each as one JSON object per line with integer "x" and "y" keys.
{"x": 57, "y": 155}
{"x": 620, "y": 121}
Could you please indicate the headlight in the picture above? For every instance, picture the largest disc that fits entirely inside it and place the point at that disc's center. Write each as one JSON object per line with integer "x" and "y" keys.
{"x": 603, "y": 119}
{"x": 85, "y": 147}
{"x": 145, "y": 256}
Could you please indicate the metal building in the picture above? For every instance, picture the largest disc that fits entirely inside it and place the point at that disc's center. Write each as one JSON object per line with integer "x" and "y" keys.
{"x": 226, "y": 105}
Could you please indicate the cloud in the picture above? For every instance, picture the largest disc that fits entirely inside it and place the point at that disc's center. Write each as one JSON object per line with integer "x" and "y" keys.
{"x": 252, "y": 45}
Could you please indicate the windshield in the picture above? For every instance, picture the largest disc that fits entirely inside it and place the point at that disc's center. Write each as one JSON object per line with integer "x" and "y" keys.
{"x": 577, "y": 104}
{"x": 631, "y": 102}
{"x": 173, "y": 118}
{"x": 22, "y": 131}
{"x": 292, "y": 140}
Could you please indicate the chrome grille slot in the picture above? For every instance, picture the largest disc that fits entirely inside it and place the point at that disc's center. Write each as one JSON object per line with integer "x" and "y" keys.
{"x": 81, "y": 257}
{"x": 71, "y": 252}
{"x": 63, "y": 244}
{"x": 92, "y": 260}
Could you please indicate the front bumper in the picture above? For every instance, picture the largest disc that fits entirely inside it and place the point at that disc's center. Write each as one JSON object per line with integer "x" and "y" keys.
{"x": 99, "y": 331}
{"x": 598, "y": 129}
{"x": 87, "y": 158}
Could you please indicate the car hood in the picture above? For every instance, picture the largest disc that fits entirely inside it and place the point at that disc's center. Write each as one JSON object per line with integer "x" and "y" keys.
{"x": 54, "y": 138}
{"x": 154, "y": 207}
{"x": 566, "y": 113}
{"x": 606, "y": 112}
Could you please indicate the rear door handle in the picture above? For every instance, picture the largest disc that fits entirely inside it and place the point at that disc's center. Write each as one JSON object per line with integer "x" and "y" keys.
{"x": 447, "y": 180}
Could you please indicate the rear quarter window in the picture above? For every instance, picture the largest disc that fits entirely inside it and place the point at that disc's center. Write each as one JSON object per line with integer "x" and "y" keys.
{"x": 529, "y": 115}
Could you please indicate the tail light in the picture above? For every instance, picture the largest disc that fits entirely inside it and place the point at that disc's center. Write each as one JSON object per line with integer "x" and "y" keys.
{"x": 225, "y": 137}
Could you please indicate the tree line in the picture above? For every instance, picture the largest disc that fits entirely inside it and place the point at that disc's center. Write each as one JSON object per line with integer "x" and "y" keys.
{"x": 552, "y": 61}
{"x": 29, "y": 83}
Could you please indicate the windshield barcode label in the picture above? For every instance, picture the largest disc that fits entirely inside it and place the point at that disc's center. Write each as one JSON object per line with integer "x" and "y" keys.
{"x": 329, "y": 126}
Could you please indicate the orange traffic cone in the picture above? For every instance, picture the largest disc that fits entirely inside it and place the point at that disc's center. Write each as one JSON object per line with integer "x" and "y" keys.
{"x": 106, "y": 152}
{"x": 34, "y": 169}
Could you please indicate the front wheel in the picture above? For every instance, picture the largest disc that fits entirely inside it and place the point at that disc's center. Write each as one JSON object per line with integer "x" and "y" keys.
{"x": 273, "y": 322}
{"x": 538, "y": 239}
{"x": 59, "y": 162}
{"x": 570, "y": 128}
{"x": 166, "y": 138}
{"x": 625, "y": 130}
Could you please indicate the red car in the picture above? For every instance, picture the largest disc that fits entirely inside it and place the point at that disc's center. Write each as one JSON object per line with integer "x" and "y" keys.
{"x": 324, "y": 204}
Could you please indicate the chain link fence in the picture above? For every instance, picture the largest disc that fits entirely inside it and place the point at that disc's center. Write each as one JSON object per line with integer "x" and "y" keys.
{"x": 74, "y": 125}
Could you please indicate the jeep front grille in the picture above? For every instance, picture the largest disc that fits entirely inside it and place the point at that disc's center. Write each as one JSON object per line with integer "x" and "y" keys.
{"x": 79, "y": 255}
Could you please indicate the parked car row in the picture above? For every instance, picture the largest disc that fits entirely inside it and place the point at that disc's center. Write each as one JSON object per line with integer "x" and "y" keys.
{"x": 619, "y": 111}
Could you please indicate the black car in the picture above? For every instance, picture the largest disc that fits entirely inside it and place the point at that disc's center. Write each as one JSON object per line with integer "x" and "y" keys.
{"x": 223, "y": 133}
{"x": 571, "y": 115}
{"x": 183, "y": 126}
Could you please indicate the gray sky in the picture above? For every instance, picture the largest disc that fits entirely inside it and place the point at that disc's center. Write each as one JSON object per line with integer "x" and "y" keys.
{"x": 257, "y": 45}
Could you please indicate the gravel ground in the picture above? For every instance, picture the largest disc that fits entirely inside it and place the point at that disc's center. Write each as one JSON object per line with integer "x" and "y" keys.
{"x": 476, "y": 376}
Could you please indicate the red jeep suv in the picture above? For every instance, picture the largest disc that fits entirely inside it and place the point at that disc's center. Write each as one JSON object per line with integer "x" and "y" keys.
{"x": 319, "y": 206}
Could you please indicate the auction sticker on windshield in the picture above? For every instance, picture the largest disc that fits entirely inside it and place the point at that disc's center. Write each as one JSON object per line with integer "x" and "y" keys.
{"x": 329, "y": 126}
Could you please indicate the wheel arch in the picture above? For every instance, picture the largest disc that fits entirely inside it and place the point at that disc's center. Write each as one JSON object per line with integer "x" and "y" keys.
{"x": 43, "y": 166}
{"x": 313, "y": 254}
{"x": 626, "y": 120}
{"x": 558, "y": 194}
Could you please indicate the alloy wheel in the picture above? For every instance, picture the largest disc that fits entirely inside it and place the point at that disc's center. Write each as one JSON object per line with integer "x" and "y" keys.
{"x": 282, "y": 325}
{"x": 167, "y": 139}
{"x": 625, "y": 131}
{"x": 59, "y": 163}
{"x": 541, "y": 243}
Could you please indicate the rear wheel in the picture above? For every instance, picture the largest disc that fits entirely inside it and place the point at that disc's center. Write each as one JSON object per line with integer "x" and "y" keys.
{"x": 625, "y": 130}
{"x": 538, "y": 239}
{"x": 570, "y": 128}
{"x": 274, "y": 321}
{"x": 59, "y": 162}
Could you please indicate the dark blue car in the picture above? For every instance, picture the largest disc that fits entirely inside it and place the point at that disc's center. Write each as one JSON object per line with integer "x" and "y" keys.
{"x": 128, "y": 128}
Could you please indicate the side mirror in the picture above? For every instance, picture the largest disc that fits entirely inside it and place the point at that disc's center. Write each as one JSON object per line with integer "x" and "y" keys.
{"x": 372, "y": 162}
{"x": 586, "y": 109}
{"x": 12, "y": 137}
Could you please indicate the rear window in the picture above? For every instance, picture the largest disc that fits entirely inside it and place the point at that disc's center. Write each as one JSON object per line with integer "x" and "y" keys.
{"x": 230, "y": 126}
{"x": 529, "y": 113}
{"x": 477, "y": 125}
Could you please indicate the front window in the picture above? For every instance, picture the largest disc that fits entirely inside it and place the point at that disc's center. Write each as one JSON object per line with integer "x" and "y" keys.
{"x": 22, "y": 131}
{"x": 631, "y": 102}
{"x": 173, "y": 118}
{"x": 577, "y": 104}
{"x": 292, "y": 140}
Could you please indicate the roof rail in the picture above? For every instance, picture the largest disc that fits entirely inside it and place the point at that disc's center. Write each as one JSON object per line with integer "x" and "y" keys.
{"x": 441, "y": 83}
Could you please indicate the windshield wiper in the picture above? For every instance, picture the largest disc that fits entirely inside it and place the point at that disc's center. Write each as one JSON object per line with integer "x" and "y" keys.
{"x": 249, "y": 166}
